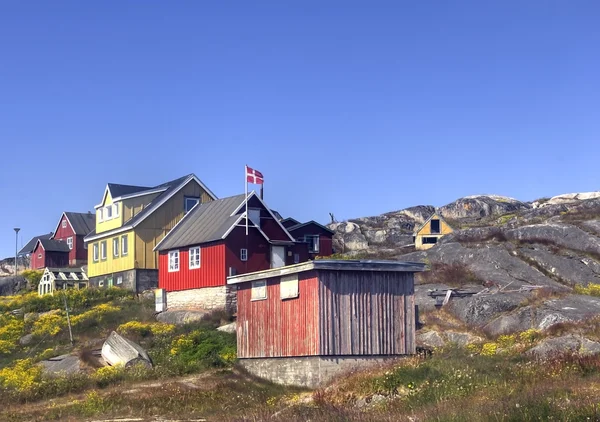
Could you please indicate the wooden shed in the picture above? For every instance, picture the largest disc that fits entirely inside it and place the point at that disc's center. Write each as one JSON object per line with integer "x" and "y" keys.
{"x": 302, "y": 324}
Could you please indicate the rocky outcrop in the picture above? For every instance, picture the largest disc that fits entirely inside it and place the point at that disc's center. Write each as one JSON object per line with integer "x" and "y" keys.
{"x": 568, "y": 344}
{"x": 558, "y": 234}
{"x": 568, "y": 198}
{"x": 61, "y": 365}
{"x": 439, "y": 339}
{"x": 12, "y": 285}
{"x": 481, "y": 206}
{"x": 228, "y": 328}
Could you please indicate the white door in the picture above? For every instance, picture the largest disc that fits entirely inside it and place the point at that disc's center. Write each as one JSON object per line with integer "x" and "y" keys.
{"x": 277, "y": 256}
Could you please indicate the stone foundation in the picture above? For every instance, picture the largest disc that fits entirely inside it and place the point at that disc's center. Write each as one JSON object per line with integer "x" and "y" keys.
{"x": 134, "y": 280}
{"x": 309, "y": 371}
{"x": 208, "y": 298}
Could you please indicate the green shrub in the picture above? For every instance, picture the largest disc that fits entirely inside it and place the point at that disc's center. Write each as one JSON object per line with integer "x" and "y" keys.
{"x": 204, "y": 347}
{"x": 33, "y": 277}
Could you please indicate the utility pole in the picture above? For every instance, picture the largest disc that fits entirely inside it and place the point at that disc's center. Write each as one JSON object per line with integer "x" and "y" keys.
{"x": 68, "y": 318}
{"x": 16, "y": 246}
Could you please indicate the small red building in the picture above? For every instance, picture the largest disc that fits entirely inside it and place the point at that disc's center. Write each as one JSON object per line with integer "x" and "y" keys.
{"x": 317, "y": 238}
{"x": 210, "y": 243}
{"x": 71, "y": 229}
{"x": 303, "y": 324}
{"x": 49, "y": 253}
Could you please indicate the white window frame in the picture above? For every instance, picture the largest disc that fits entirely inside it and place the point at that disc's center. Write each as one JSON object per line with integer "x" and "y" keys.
{"x": 173, "y": 261}
{"x": 124, "y": 245}
{"x": 64, "y": 223}
{"x": 185, "y": 203}
{"x": 115, "y": 245}
{"x": 244, "y": 254}
{"x": 103, "y": 250}
{"x": 119, "y": 279}
{"x": 296, "y": 258}
{"x": 39, "y": 256}
{"x": 95, "y": 252}
{"x": 101, "y": 214}
{"x": 288, "y": 286}
{"x": 194, "y": 256}
{"x": 258, "y": 290}
{"x": 109, "y": 212}
{"x": 313, "y": 247}
{"x": 70, "y": 242}
{"x": 115, "y": 210}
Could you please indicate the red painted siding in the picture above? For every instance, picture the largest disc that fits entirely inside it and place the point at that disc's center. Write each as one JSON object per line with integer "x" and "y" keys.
{"x": 212, "y": 271}
{"x": 259, "y": 257}
{"x": 267, "y": 224}
{"x": 302, "y": 250}
{"x": 325, "y": 238}
{"x": 77, "y": 255}
{"x": 36, "y": 262}
{"x": 48, "y": 259}
{"x": 274, "y": 327}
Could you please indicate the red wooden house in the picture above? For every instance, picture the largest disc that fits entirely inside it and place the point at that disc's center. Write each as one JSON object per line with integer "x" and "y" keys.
{"x": 71, "y": 229}
{"x": 318, "y": 238}
{"x": 210, "y": 243}
{"x": 49, "y": 253}
{"x": 303, "y": 324}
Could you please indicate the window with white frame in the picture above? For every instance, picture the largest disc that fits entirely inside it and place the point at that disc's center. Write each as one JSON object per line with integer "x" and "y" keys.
{"x": 101, "y": 214}
{"x": 103, "y": 250}
{"x": 259, "y": 290}
{"x": 95, "y": 252}
{"x": 120, "y": 279}
{"x": 124, "y": 245}
{"x": 173, "y": 261}
{"x": 190, "y": 202}
{"x": 101, "y": 283}
{"x": 313, "y": 242}
{"x": 296, "y": 258}
{"x": 116, "y": 247}
{"x": 39, "y": 256}
{"x": 109, "y": 211}
{"x": 115, "y": 210}
{"x": 194, "y": 254}
{"x": 288, "y": 286}
{"x": 243, "y": 254}
{"x": 64, "y": 223}
{"x": 70, "y": 242}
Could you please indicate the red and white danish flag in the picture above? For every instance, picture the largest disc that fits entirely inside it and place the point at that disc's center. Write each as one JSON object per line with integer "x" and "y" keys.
{"x": 254, "y": 176}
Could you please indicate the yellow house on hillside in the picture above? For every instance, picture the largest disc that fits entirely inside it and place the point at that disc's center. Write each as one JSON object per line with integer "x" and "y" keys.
{"x": 430, "y": 231}
{"x": 130, "y": 221}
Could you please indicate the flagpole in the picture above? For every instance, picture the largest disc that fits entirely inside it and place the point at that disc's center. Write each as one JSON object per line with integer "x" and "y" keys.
{"x": 246, "y": 199}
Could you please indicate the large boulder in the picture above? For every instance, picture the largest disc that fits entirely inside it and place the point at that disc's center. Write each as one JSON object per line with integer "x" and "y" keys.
{"x": 61, "y": 365}
{"x": 12, "y": 285}
{"x": 348, "y": 237}
{"x": 180, "y": 316}
{"x": 480, "y": 206}
{"x": 568, "y": 344}
{"x": 559, "y": 234}
{"x": 570, "y": 198}
{"x": 118, "y": 350}
{"x": 228, "y": 328}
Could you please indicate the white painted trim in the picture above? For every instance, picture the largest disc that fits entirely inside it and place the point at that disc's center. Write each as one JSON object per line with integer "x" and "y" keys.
{"x": 190, "y": 258}
{"x": 101, "y": 204}
{"x": 169, "y": 261}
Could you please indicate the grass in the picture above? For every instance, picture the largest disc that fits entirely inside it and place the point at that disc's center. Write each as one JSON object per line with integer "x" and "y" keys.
{"x": 454, "y": 275}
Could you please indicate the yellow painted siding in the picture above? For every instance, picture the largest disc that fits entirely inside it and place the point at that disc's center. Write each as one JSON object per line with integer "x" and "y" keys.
{"x": 132, "y": 206}
{"x": 112, "y": 264}
{"x": 426, "y": 229}
{"x": 156, "y": 226}
{"x": 113, "y": 223}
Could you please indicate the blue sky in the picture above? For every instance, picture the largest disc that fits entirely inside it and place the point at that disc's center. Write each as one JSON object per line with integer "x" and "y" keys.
{"x": 355, "y": 108}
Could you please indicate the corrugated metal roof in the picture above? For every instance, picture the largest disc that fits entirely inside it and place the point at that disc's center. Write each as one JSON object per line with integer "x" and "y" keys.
{"x": 313, "y": 222}
{"x": 28, "y": 248}
{"x": 117, "y": 190}
{"x": 204, "y": 223}
{"x": 82, "y": 223}
{"x": 51, "y": 245}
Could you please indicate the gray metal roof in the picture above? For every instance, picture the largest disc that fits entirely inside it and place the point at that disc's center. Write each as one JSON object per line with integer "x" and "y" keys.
{"x": 28, "y": 248}
{"x": 333, "y": 265}
{"x": 82, "y": 222}
{"x": 51, "y": 245}
{"x": 313, "y": 222}
{"x": 117, "y": 190}
{"x": 204, "y": 223}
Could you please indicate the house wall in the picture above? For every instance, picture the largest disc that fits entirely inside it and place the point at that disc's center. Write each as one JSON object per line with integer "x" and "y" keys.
{"x": 152, "y": 230}
{"x": 112, "y": 264}
{"x": 366, "y": 313}
{"x": 133, "y": 206}
{"x": 35, "y": 262}
{"x": 56, "y": 259}
{"x": 113, "y": 223}
{"x": 207, "y": 298}
{"x": 426, "y": 229}
{"x": 136, "y": 280}
{"x": 274, "y": 327}
{"x": 210, "y": 274}
{"x": 259, "y": 251}
{"x": 77, "y": 255}
{"x": 325, "y": 238}
{"x": 298, "y": 248}
{"x": 268, "y": 224}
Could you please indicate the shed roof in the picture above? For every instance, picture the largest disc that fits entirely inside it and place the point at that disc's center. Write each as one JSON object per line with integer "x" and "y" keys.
{"x": 204, "y": 223}
{"x": 51, "y": 245}
{"x": 330, "y": 264}
{"x": 117, "y": 190}
{"x": 311, "y": 222}
{"x": 28, "y": 248}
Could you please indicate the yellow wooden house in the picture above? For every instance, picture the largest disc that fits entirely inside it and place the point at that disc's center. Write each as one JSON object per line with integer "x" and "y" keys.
{"x": 431, "y": 231}
{"x": 130, "y": 221}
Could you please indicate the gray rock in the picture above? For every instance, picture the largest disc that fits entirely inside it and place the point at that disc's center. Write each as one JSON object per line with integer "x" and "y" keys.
{"x": 422, "y": 299}
{"x": 26, "y": 340}
{"x": 462, "y": 339}
{"x": 12, "y": 284}
{"x": 570, "y": 343}
{"x": 61, "y": 365}
{"x": 348, "y": 237}
{"x": 479, "y": 310}
{"x": 559, "y": 234}
{"x": 30, "y": 316}
{"x": 593, "y": 226}
{"x": 430, "y": 339}
{"x": 228, "y": 328}
{"x": 180, "y": 316}
{"x": 118, "y": 350}
{"x": 480, "y": 206}
{"x": 148, "y": 295}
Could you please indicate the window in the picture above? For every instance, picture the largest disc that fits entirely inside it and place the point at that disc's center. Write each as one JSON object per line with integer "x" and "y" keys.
{"x": 189, "y": 202}
{"x": 101, "y": 283}
{"x": 173, "y": 261}
{"x": 64, "y": 223}
{"x": 194, "y": 257}
{"x": 259, "y": 290}
{"x": 243, "y": 254}
{"x": 120, "y": 279}
{"x": 429, "y": 240}
{"x": 116, "y": 247}
{"x": 116, "y": 210}
{"x": 124, "y": 245}
{"x": 289, "y": 286}
{"x": 103, "y": 250}
{"x": 95, "y": 252}
{"x": 254, "y": 215}
{"x": 101, "y": 214}
{"x": 435, "y": 226}
{"x": 70, "y": 242}
{"x": 39, "y": 256}
{"x": 109, "y": 210}
{"x": 296, "y": 258}
{"x": 313, "y": 242}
